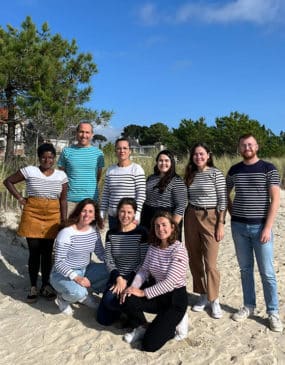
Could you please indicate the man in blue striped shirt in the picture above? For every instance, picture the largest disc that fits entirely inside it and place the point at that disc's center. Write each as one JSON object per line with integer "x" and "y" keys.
{"x": 83, "y": 165}
{"x": 253, "y": 210}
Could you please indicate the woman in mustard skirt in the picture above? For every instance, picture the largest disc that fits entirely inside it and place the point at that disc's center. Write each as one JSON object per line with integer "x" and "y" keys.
{"x": 44, "y": 209}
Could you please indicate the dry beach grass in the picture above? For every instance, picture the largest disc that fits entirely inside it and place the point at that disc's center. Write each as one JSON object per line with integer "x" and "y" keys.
{"x": 38, "y": 334}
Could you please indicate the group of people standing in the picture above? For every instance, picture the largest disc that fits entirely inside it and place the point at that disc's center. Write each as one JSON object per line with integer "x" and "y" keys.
{"x": 144, "y": 262}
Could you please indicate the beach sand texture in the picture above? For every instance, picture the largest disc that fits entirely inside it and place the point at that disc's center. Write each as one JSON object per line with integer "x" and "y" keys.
{"x": 39, "y": 334}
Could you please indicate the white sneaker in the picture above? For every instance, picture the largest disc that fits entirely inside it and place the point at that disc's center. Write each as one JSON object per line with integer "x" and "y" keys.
{"x": 242, "y": 314}
{"x": 89, "y": 301}
{"x": 182, "y": 328}
{"x": 216, "y": 309}
{"x": 201, "y": 303}
{"x": 275, "y": 323}
{"x": 136, "y": 335}
{"x": 63, "y": 306}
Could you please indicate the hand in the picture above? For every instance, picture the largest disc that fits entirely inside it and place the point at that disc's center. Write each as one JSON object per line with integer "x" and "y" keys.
{"x": 120, "y": 286}
{"x": 220, "y": 232}
{"x": 83, "y": 281}
{"x": 22, "y": 201}
{"x": 265, "y": 235}
{"x": 131, "y": 291}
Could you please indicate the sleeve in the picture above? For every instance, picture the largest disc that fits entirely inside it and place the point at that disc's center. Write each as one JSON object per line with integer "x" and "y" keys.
{"x": 143, "y": 272}
{"x": 101, "y": 162}
{"x": 110, "y": 262}
{"x": 105, "y": 197}
{"x": 273, "y": 177}
{"x": 64, "y": 178}
{"x": 221, "y": 191}
{"x": 177, "y": 268}
{"x": 26, "y": 171}
{"x": 140, "y": 189}
{"x": 99, "y": 249}
{"x": 229, "y": 180}
{"x": 143, "y": 248}
{"x": 179, "y": 196}
{"x": 62, "y": 160}
{"x": 62, "y": 244}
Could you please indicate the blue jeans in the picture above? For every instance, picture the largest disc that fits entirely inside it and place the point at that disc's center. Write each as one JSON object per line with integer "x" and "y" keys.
{"x": 247, "y": 244}
{"x": 73, "y": 292}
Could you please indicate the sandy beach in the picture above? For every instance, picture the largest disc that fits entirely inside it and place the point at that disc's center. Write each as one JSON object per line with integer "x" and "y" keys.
{"x": 39, "y": 334}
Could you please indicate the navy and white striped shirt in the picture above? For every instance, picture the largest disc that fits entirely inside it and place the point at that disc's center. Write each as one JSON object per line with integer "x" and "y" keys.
{"x": 173, "y": 198}
{"x": 251, "y": 184}
{"x": 73, "y": 249}
{"x": 208, "y": 189}
{"x": 125, "y": 251}
{"x": 168, "y": 266}
{"x": 41, "y": 186}
{"x": 123, "y": 182}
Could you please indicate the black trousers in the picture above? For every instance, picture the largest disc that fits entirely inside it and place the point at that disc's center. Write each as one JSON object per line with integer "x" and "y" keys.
{"x": 40, "y": 257}
{"x": 170, "y": 309}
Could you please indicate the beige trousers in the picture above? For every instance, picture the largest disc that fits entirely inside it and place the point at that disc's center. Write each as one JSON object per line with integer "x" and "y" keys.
{"x": 202, "y": 246}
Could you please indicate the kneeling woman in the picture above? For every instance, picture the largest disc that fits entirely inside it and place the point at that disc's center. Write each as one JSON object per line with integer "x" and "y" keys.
{"x": 125, "y": 252}
{"x": 73, "y": 272}
{"x": 166, "y": 261}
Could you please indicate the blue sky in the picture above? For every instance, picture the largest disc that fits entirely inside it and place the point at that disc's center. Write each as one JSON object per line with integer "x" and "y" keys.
{"x": 166, "y": 60}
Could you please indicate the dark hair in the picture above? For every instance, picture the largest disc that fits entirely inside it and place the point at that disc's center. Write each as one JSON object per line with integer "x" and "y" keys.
{"x": 153, "y": 239}
{"x": 79, "y": 125}
{"x": 46, "y": 147}
{"x": 165, "y": 180}
{"x": 122, "y": 139}
{"x": 127, "y": 201}
{"x": 245, "y": 136}
{"x": 191, "y": 168}
{"x": 75, "y": 214}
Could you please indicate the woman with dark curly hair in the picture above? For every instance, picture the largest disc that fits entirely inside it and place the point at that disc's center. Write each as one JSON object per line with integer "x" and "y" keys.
{"x": 74, "y": 272}
{"x": 165, "y": 190}
{"x": 167, "y": 262}
{"x": 204, "y": 225}
{"x": 44, "y": 208}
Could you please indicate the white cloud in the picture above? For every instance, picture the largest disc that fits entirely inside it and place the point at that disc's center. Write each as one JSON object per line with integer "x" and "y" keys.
{"x": 253, "y": 11}
{"x": 148, "y": 14}
{"x": 109, "y": 132}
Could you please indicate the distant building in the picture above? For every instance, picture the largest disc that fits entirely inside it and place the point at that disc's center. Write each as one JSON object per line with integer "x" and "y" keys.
{"x": 145, "y": 150}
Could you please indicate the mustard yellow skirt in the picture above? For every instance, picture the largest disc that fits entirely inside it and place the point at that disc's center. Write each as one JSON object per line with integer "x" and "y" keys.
{"x": 40, "y": 218}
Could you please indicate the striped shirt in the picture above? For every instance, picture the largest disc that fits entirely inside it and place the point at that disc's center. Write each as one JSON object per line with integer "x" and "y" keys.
{"x": 41, "y": 186}
{"x": 251, "y": 183}
{"x": 173, "y": 198}
{"x": 81, "y": 165}
{"x": 168, "y": 267}
{"x": 125, "y": 251}
{"x": 208, "y": 189}
{"x": 123, "y": 182}
{"x": 73, "y": 250}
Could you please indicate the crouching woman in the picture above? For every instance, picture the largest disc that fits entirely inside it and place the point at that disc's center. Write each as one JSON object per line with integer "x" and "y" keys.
{"x": 74, "y": 272}
{"x": 166, "y": 261}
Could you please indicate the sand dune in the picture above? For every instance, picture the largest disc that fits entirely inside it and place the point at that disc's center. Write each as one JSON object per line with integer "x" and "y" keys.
{"x": 38, "y": 334}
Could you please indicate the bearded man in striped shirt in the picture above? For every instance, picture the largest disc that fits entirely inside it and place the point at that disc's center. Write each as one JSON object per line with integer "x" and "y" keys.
{"x": 254, "y": 207}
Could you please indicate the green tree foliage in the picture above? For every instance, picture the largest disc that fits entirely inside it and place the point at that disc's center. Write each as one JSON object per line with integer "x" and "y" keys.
{"x": 157, "y": 132}
{"x": 44, "y": 79}
{"x": 134, "y": 131}
{"x": 222, "y": 138}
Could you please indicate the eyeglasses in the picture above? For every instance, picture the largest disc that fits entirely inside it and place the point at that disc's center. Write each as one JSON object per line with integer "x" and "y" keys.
{"x": 249, "y": 145}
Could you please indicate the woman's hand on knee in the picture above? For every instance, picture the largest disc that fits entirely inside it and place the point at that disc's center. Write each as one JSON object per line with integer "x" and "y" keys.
{"x": 83, "y": 281}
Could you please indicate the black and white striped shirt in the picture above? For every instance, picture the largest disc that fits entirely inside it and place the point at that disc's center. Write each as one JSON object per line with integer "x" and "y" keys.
{"x": 173, "y": 198}
{"x": 251, "y": 184}
{"x": 41, "y": 186}
{"x": 73, "y": 249}
{"x": 123, "y": 182}
{"x": 125, "y": 251}
{"x": 208, "y": 189}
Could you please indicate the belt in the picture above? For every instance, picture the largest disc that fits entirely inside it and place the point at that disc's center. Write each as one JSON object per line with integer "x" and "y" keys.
{"x": 201, "y": 208}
